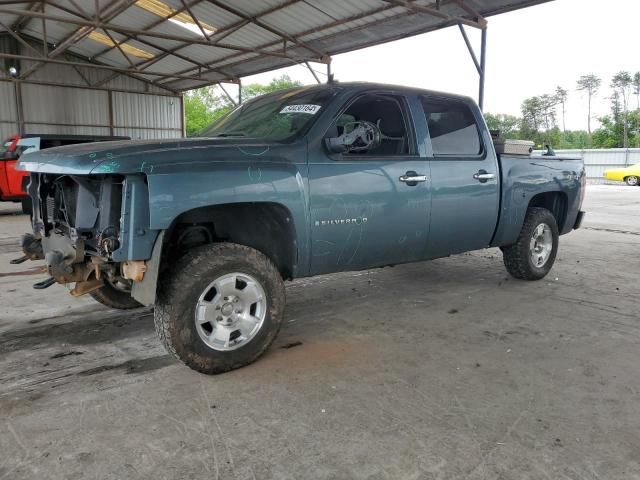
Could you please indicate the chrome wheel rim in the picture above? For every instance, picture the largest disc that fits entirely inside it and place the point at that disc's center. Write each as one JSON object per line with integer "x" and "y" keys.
{"x": 632, "y": 180}
{"x": 541, "y": 245}
{"x": 230, "y": 311}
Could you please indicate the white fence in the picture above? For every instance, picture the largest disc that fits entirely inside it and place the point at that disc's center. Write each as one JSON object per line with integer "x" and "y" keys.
{"x": 598, "y": 160}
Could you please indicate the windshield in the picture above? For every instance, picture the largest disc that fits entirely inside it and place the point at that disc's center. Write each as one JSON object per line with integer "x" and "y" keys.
{"x": 275, "y": 117}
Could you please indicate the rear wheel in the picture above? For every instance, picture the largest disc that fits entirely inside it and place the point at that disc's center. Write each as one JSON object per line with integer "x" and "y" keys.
{"x": 220, "y": 307}
{"x": 116, "y": 295}
{"x": 632, "y": 181}
{"x": 534, "y": 253}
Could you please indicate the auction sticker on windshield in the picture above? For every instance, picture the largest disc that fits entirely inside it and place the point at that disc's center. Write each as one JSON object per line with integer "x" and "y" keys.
{"x": 310, "y": 109}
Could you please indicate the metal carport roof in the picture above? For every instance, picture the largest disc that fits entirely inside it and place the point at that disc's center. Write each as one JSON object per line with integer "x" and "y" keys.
{"x": 184, "y": 44}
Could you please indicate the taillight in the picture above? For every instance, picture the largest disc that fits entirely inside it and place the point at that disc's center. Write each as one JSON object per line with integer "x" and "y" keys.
{"x": 14, "y": 143}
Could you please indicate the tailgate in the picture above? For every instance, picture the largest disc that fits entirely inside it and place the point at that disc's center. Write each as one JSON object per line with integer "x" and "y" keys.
{"x": 12, "y": 181}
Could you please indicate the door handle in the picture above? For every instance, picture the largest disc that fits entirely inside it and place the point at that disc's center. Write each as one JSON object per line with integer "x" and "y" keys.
{"x": 482, "y": 176}
{"x": 411, "y": 178}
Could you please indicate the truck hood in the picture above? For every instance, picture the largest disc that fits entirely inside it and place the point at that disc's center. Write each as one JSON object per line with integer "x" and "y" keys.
{"x": 143, "y": 156}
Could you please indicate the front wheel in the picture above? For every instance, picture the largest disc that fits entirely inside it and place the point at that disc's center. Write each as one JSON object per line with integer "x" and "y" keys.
{"x": 533, "y": 254}
{"x": 632, "y": 181}
{"x": 116, "y": 295}
{"x": 220, "y": 307}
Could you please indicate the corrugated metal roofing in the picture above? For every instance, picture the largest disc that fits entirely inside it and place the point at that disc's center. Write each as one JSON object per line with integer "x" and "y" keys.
{"x": 250, "y": 36}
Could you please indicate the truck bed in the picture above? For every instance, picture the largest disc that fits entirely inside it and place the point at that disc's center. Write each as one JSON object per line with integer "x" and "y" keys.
{"x": 537, "y": 177}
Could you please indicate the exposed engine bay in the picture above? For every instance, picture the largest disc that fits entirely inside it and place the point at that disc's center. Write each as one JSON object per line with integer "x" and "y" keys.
{"x": 76, "y": 228}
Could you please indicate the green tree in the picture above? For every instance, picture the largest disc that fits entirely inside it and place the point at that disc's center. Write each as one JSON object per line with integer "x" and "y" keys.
{"x": 205, "y": 105}
{"x": 621, "y": 84}
{"x": 508, "y": 125}
{"x": 202, "y": 107}
{"x": 608, "y": 134}
{"x": 591, "y": 84}
{"x": 636, "y": 88}
{"x": 561, "y": 97}
{"x": 548, "y": 109}
{"x": 532, "y": 115}
{"x": 281, "y": 83}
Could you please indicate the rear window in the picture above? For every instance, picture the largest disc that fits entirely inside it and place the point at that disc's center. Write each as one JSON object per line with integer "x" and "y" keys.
{"x": 452, "y": 127}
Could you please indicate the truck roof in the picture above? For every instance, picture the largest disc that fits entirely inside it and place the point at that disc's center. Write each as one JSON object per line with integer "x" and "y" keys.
{"x": 361, "y": 86}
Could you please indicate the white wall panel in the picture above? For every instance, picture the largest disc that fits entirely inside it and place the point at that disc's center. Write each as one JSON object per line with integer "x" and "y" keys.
{"x": 65, "y": 105}
{"x": 8, "y": 114}
{"x": 146, "y": 134}
{"x": 66, "y": 130}
{"x": 135, "y": 110}
{"x": 7, "y": 102}
{"x": 598, "y": 160}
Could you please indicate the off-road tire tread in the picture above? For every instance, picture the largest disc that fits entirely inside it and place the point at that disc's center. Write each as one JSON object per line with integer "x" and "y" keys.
{"x": 200, "y": 261}
{"x": 516, "y": 256}
{"x": 112, "y": 298}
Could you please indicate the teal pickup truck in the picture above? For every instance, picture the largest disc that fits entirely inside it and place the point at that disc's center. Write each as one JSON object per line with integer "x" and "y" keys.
{"x": 297, "y": 183}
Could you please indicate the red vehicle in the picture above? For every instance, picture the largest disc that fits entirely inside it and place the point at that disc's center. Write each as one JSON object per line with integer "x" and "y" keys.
{"x": 13, "y": 183}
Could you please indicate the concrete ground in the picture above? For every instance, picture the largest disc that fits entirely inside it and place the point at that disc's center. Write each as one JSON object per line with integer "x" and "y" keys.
{"x": 442, "y": 370}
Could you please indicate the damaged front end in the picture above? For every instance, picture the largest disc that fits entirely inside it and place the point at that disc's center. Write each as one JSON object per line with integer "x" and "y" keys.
{"x": 83, "y": 229}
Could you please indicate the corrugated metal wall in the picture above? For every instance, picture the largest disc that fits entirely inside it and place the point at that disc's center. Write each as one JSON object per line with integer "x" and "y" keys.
{"x": 145, "y": 116}
{"x": 86, "y": 101}
{"x": 598, "y": 160}
{"x": 8, "y": 114}
{"x": 48, "y": 109}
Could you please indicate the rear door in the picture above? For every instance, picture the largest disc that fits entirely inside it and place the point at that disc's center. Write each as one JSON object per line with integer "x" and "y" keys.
{"x": 464, "y": 177}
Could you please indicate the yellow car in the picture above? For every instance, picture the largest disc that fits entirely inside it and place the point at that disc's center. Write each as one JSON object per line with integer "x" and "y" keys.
{"x": 630, "y": 175}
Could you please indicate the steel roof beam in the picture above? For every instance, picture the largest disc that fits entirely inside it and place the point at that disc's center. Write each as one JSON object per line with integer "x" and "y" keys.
{"x": 470, "y": 10}
{"x": 218, "y": 35}
{"x": 86, "y": 63}
{"x": 261, "y": 24}
{"x": 99, "y": 67}
{"x": 113, "y": 40}
{"x": 480, "y": 23}
{"x": 78, "y": 34}
{"x": 195, "y": 20}
{"x": 154, "y": 24}
{"x": 178, "y": 38}
{"x": 19, "y": 38}
{"x": 17, "y": 25}
{"x": 144, "y": 64}
{"x": 316, "y": 30}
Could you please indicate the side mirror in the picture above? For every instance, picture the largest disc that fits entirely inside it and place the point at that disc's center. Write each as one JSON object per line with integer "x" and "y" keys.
{"x": 357, "y": 137}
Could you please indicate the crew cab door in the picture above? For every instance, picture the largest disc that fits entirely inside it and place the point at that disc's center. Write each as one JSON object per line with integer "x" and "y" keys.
{"x": 369, "y": 208}
{"x": 464, "y": 177}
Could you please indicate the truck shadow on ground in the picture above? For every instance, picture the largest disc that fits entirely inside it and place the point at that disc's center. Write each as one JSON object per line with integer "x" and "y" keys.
{"x": 419, "y": 282}
{"x": 87, "y": 329}
{"x": 11, "y": 213}
{"x": 90, "y": 341}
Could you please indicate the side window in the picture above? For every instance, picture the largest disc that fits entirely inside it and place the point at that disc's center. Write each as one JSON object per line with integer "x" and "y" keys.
{"x": 452, "y": 127}
{"x": 388, "y": 113}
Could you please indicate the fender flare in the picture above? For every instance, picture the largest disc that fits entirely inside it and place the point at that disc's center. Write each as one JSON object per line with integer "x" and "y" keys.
{"x": 145, "y": 290}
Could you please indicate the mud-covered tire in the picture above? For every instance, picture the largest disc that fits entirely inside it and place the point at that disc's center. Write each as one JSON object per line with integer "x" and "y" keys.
{"x": 114, "y": 298}
{"x": 181, "y": 289}
{"x": 518, "y": 257}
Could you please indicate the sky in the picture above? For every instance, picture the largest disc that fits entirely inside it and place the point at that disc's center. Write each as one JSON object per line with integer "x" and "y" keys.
{"x": 529, "y": 52}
